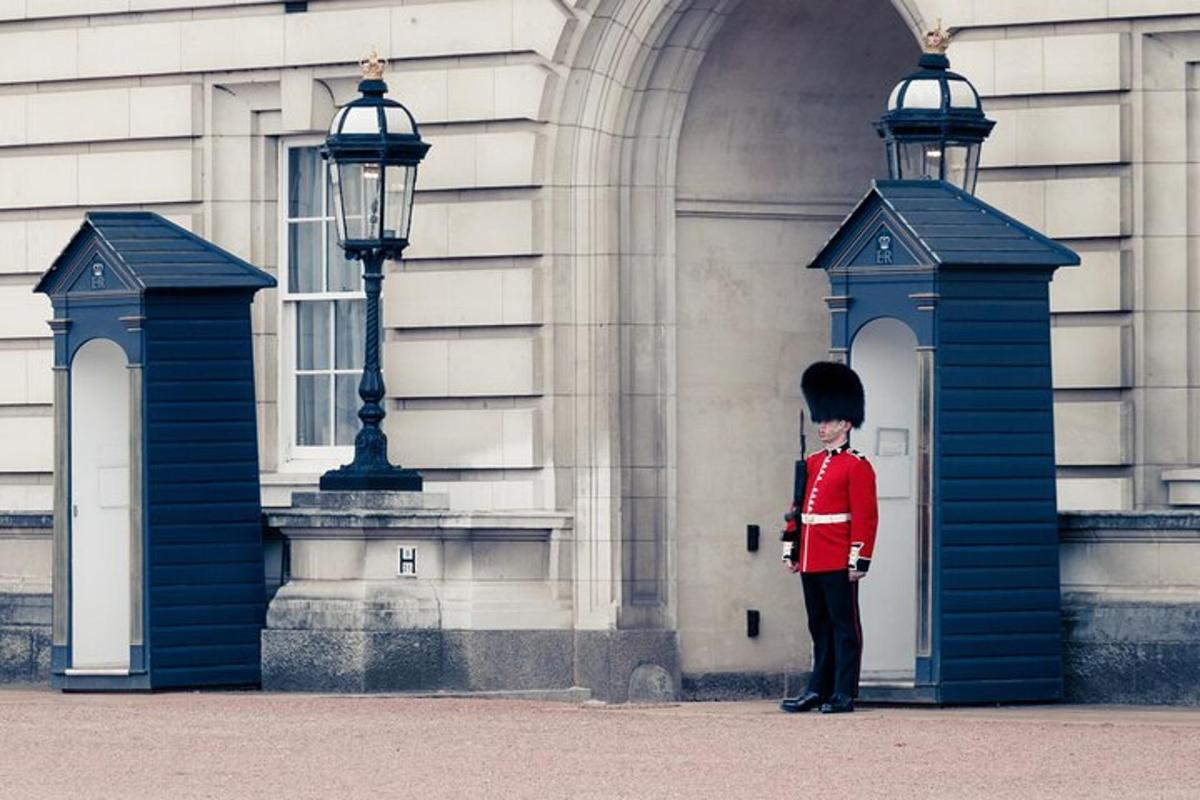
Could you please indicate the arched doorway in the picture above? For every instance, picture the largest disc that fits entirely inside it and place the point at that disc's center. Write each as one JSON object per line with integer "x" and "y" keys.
{"x": 100, "y": 500}
{"x": 776, "y": 145}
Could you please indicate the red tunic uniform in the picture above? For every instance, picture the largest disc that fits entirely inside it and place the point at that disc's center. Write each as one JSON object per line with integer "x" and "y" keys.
{"x": 840, "y": 514}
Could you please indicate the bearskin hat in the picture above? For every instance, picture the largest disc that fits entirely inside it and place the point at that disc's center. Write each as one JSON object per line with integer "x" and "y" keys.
{"x": 833, "y": 391}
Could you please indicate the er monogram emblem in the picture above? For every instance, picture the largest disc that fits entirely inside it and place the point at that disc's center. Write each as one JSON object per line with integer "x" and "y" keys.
{"x": 98, "y": 275}
{"x": 883, "y": 251}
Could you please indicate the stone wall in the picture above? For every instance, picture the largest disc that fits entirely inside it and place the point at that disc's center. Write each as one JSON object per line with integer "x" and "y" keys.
{"x": 24, "y": 598}
{"x": 1131, "y": 607}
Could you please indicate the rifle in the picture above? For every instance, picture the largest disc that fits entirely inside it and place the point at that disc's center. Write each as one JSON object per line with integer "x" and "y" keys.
{"x": 790, "y": 535}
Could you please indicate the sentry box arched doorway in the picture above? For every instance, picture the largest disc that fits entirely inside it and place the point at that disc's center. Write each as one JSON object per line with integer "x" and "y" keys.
{"x": 158, "y": 573}
{"x": 941, "y": 302}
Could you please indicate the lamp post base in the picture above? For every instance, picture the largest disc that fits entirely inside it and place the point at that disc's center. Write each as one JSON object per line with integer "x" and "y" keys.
{"x": 351, "y": 479}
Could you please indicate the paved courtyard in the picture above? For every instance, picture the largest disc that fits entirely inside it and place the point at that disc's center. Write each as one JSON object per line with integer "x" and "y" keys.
{"x": 251, "y": 745}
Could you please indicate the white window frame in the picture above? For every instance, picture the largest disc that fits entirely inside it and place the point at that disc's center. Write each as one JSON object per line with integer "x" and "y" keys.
{"x": 295, "y": 458}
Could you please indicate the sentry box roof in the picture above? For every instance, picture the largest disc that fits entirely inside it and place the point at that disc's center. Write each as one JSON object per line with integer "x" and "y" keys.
{"x": 938, "y": 226}
{"x": 154, "y": 253}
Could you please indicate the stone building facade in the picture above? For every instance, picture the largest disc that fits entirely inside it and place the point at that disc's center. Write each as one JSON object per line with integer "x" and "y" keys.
{"x": 603, "y": 313}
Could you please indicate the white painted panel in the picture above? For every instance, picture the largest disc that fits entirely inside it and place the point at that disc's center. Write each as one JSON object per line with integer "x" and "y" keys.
{"x": 100, "y": 553}
{"x": 885, "y": 357}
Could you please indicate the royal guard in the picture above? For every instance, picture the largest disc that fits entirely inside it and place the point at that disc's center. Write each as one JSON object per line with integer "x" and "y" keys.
{"x": 830, "y": 537}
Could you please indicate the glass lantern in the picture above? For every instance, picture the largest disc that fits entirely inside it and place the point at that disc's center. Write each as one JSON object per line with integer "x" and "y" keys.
{"x": 934, "y": 127}
{"x": 374, "y": 148}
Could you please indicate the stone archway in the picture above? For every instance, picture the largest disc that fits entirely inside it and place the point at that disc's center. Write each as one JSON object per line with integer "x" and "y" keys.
{"x": 614, "y": 210}
{"x": 775, "y": 148}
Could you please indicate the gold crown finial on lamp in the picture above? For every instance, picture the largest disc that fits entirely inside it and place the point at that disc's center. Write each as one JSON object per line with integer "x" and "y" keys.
{"x": 373, "y": 66}
{"x": 937, "y": 40}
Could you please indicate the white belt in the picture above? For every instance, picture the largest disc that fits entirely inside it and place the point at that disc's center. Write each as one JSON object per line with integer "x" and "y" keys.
{"x": 823, "y": 519}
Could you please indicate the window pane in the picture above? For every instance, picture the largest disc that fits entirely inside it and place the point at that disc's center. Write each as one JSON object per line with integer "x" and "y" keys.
{"x": 312, "y": 410}
{"x": 304, "y": 257}
{"x": 350, "y": 333}
{"x": 344, "y": 275}
{"x": 347, "y": 408}
{"x": 306, "y": 173}
{"x": 312, "y": 335}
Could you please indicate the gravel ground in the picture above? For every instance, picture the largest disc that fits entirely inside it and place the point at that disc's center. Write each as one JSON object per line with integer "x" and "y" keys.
{"x": 251, "y": 745}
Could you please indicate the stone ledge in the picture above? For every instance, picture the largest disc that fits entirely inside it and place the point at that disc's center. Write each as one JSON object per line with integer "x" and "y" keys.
{"x": 416, "y": 523}
{"x": 350, "y": 502}
{"x": 1130, "y": 526}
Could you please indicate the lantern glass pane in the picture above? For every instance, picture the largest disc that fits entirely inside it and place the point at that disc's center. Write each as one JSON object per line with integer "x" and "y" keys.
{"x": 893, "y": 161}
{"x": 397, "y": 120}
{"x": 401, "y": 181}
{"x": 972, "y": 167}
{"x": 360, "y": 119}
{"x": 360, "y": 187}
{"x": 334, "y": 196}
{"x": 956, "y": 165}
{"x": 921, "y": 159}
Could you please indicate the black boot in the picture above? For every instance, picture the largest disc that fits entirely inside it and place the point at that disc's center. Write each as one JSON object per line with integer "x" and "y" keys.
{"x": 807, "y": 701}
{"x": 838, "y": 704}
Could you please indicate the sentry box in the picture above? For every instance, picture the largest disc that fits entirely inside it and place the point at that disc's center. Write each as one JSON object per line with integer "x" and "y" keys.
{"x": 941, "y": 304}
{"x": 158, "y": 563}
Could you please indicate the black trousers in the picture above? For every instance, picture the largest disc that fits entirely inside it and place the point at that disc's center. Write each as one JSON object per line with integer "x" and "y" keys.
{"x": 832, "y": 604}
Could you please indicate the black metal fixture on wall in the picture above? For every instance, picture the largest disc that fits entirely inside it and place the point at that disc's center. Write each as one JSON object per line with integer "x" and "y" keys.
{"x": 373, "y": 149}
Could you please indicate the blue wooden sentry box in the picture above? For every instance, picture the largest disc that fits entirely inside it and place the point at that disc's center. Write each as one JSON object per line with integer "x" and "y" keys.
{"x": 178, "y": 309}
{"x": 973, "y": 285}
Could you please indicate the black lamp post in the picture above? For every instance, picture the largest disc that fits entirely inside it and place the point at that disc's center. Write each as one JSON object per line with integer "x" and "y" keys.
{"x": 934, "y": 126}
{"x": 373, "y": 150}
